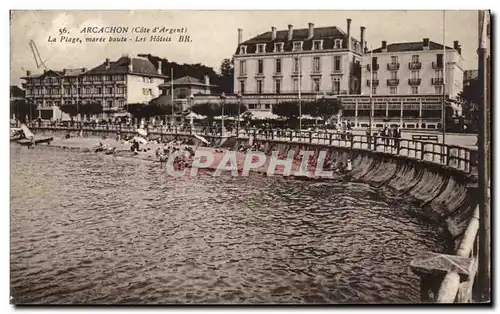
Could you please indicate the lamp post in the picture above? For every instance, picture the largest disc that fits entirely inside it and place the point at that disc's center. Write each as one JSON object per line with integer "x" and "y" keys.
{"x": 191, "y": 98}
{"x": 239, "y": 113}
{"x": 222, "y": 101}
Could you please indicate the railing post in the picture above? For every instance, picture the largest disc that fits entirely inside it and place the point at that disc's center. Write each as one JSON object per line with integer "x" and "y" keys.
{"x": 421, "y": 150}
{"x": 310, "y": 137}
{"x": 330, "y": 138}
{"x": 374, "y": 138}
{"x": 447, "y": 156}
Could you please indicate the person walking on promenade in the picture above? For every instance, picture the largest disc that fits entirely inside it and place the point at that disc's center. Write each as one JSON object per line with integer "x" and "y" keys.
{"x": 397, "y": 136}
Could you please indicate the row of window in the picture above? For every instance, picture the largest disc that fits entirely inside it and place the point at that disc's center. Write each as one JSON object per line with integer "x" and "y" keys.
{"x": 259, "y": 106}
{"x": 106, "y": 104}
{"x": 414, "y": 59}
{"x": 297, "y": 65}
{"x": 316, "y": 85}
{"x": 297, "y": 46}
{"x": 415, "y": 74}
{"x": 393, "y": 90}
{"x": 94, "y": 78}
{"x": 76, "y": 91}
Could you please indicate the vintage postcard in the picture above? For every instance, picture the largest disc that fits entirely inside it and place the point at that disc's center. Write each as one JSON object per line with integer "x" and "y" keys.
{"x": 250, "y": 157}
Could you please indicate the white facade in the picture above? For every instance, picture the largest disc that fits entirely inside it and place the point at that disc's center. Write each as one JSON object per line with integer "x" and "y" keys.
{"x": 142, "y": 89}
{"x": 316, "y": 60}
{"x": 314, "y": 68}
{"x": 416, "y": 71}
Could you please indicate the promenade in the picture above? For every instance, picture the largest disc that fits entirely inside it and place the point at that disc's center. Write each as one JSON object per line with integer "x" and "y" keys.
{"x": 459, "y": 150}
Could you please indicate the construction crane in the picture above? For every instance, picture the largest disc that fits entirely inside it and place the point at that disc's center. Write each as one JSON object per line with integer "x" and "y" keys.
{"x": 36, "y": 54}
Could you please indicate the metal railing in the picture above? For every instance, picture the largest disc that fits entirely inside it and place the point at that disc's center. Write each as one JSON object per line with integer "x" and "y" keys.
{"x": 452, "y": 156}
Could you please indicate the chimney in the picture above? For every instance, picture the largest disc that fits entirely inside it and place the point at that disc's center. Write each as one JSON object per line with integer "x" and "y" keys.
{"x": 366, "y": 49}
{"x": 84, "y": 70}
{"x": 28, "y": 73}
{"x": 130, "y": 67}
{"x": 207, "y": 81}
{"x": 349, "y": 34}
{"x": 426, "y": 43}
{"x": 106, "y": 63}
{"x": 160, "y": 71}
{"x": 311, "y": 31}
{"x": 362, "y": 38}
{"x": 384, "y": 46}
{"x": 240, "y": 35}
{"x": 290, "y": 32}
{"x": 273, "y": 33}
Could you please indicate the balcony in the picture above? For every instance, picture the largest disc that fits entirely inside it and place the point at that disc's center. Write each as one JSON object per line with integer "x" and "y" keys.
{"x": 414, "y": 65}
{"x": 392, "y": 66}
{"x": 392, "y": 82}
{"x": 437, "y": 81}
{"x": 437, "y": 65}
{"x": 337, "y": 71}
{"x": 415, "y": 81}
{"x": 375, "y": 82}
{"x": 375, "y": 67}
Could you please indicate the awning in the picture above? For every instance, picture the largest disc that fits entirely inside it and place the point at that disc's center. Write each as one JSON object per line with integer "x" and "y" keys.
{"x": 121, "y": 114}
{"x": 261, "y": 115}
{"x": 195, "y": 116}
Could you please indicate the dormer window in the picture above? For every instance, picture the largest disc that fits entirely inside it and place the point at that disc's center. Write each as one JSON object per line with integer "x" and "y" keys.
{"x": 243, "y": 50}
{"x": 278, "y": 47}
{"x": 261, "y": 48}
{"x": 317, "y": 45}
{"x": 338, "y": 44}
{"x": 297, "y": 46}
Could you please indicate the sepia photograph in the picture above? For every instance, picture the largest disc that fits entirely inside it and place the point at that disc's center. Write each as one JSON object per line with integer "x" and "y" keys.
{"x": 168, "y": 157}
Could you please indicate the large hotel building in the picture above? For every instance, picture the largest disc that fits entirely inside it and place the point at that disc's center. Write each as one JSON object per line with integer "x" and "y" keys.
{"x": 113, "y": 84}
{"x": 307, "y": 63}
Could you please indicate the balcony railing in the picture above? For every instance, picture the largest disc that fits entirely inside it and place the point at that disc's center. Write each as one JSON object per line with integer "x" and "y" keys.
{"x": 437, "y": 81}
{"x": 414, "y": 65}
{"x": 393, "y": 82}
{"x": 375, "y": 82}
{"x": 392, "y": 66}
{"x": 375, "y": 67}
{"x": 414, "y": 81}
{"x": 437, "y": 65}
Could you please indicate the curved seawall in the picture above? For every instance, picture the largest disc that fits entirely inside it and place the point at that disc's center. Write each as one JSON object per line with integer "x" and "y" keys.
{"x": 442, "y": 192}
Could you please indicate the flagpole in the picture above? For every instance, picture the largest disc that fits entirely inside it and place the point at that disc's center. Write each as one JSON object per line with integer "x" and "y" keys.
{"x": 300, "y": 99}
{"x": 371, "y": 94}
{"x": 172, "y": 92}
{"x": 443, "y": 107}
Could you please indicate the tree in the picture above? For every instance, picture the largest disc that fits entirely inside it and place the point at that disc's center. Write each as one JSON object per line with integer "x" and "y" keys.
{"x": 94, "y": 108}
{"x": 69, "y": 109}
{"x": 23, "y": 110}
{"x": 134, "y": 109}
{"x": 470, "y": 97}
{"x": 210, "y": 110}
{"x": 226, "y": 67}
{"x": 324, "y": 108}
{"x": 152, "y": 110}
{"x": 231, "y": 109}
{"x": 288, "y": 109}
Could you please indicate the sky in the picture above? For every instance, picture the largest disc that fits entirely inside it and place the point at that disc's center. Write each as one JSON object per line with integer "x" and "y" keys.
{"x": 214, "y": 33}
